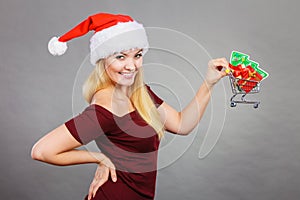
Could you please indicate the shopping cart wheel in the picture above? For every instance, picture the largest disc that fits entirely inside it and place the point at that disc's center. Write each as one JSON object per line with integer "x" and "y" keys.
{"x": 233, "y": 104}
{"x": 255, "y": 105}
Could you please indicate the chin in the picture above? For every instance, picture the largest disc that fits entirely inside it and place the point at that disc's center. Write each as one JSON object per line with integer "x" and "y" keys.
{"x": 126, "y": 83}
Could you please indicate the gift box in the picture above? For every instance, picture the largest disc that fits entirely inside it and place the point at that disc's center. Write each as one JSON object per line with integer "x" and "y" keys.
{"x": 246, "y": 77}
{"x": 242, "y": 60}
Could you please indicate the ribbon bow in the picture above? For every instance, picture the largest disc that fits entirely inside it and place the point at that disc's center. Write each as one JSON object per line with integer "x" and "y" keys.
{"x": 244, "y": 74}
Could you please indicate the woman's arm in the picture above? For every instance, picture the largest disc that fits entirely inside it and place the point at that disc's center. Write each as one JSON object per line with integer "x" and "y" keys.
{"x": 185, "y": 121}
{"x": 58, "y": 148}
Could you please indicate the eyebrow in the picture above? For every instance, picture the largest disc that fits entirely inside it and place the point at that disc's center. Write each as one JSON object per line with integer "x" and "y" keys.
{"x": 135, "y": 54}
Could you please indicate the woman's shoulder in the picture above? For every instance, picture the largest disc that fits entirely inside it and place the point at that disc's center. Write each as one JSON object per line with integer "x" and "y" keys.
{"x": 102, "y": 97}
{"x": 101, "y": 103}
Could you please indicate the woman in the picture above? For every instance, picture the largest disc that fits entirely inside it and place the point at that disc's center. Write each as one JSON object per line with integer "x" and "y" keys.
{"x": 124, "y": 117}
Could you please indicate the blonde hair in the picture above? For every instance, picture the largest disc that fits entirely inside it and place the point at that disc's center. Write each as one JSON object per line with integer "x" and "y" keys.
{"x": 139, "y": 96}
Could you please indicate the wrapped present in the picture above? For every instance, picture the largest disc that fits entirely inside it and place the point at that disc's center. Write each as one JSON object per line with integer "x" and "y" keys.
{"x": 246, "y": 77}
{"x": 238, "y": 58}
{"x": 243, "y": 60}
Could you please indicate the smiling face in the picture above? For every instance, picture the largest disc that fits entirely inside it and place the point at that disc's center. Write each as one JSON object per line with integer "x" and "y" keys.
{"x": 122, "y": 67}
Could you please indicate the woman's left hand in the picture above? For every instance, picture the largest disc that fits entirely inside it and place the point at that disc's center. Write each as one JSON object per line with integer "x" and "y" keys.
{"x": 104, "y": 169}
{"x": 215, "y": 71}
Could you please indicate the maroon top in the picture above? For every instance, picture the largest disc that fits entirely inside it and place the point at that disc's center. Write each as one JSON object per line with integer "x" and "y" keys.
{"x": 129, "y": 142}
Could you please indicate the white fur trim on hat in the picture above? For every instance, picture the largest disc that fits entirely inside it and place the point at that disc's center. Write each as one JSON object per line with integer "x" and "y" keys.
{"x": 56, "y": 47}
{"x": 117, "y": 38}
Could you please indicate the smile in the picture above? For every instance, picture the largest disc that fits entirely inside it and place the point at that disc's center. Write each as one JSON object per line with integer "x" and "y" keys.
{"x": 127, "y": 75}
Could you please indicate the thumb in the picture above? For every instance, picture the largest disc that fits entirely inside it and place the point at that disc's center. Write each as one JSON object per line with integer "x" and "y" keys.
{"x": 223, "y": 73}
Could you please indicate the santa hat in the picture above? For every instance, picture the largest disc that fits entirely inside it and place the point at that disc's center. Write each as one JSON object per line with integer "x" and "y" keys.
{"x": 113, "y": 33}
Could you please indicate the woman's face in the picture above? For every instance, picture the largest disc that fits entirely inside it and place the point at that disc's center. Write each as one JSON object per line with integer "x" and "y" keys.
{"x": 122, "y": 67}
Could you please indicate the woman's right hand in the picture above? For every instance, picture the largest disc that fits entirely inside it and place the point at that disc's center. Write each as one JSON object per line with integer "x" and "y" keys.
{"x": 105, "y": 167}
{"x": 215, "y": 71}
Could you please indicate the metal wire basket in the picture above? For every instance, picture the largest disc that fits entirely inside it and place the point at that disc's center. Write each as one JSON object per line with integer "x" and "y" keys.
{"x": 243, "y": 87}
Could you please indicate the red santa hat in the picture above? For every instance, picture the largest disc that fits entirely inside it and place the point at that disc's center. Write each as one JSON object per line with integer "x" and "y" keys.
{"x": 112, "y": 34}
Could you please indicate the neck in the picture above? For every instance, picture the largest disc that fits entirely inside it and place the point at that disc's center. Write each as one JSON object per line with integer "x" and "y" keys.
{"x": 121, "y": 91}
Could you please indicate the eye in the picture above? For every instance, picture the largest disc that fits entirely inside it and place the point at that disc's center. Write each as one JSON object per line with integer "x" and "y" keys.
{"x": 120, "y": 57}
{"x": 138, "y": 55}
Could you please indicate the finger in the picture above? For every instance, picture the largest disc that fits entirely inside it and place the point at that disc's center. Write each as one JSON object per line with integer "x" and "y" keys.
{"x": 99, "y": 184}
{"x": 90, "y": 196}
{"x": 91, "y": 189}
{"x": 113, "y": 174}
{"x": 95, "y": 189}
{"x": 112, "y": 166}
{"x": 224, "y": 73}
{"x": 109, "y": 164}
{"x": 97, "y": 178}
{"x": 222, "y": 62}
{"x": 225, "y": 67}
{"x": 101, "y": 181}
{"x": 216, "y": 64}
{"x": 221, "y": 74}
{"x": 221, "y": 66}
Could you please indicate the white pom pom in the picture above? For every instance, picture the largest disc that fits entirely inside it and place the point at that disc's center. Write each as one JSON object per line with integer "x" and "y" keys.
{"x": 56, "y": 47}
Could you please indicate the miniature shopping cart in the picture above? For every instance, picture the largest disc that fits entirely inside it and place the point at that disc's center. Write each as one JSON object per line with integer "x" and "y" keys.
{"x": 242, "y": 87}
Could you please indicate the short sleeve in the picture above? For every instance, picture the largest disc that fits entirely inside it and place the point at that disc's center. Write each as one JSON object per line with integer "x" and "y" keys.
{"x": 85, "y": 127}
{"x": 156, "y": 99}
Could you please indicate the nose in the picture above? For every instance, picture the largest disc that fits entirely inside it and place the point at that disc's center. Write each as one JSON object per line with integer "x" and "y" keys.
{"x": 130, "y": 65}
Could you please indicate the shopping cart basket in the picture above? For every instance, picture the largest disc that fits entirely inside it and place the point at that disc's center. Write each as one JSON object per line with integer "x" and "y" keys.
{"x": 242, "y": 87}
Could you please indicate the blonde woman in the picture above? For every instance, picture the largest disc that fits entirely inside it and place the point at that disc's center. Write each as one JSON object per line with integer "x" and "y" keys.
{"x": 125, "y": 117}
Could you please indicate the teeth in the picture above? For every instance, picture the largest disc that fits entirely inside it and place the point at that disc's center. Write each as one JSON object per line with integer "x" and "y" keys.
{"x": 127, "y": 75}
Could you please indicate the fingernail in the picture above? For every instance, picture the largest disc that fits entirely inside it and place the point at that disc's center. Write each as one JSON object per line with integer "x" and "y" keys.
{"x": 114, "y": 179}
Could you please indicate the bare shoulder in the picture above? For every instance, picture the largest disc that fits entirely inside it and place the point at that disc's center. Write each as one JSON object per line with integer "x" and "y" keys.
{"x": 102, "y": 97}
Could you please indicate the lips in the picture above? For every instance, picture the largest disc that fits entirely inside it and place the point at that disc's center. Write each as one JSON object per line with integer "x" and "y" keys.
{"x": 127, "y": 75}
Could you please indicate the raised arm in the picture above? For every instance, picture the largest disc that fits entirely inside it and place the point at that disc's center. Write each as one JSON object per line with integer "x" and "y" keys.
{"x": 185, "y": 121}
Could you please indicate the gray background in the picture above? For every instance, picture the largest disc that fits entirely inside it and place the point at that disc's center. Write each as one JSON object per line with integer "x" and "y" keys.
{"x": 257, "y": 156}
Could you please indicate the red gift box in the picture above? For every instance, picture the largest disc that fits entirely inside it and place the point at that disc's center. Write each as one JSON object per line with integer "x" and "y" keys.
{"x": 247, "y": 77}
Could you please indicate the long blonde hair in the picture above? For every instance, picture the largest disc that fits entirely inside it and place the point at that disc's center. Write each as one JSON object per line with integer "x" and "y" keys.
{"x": 139, "y": 96}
